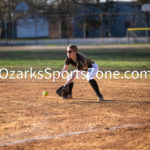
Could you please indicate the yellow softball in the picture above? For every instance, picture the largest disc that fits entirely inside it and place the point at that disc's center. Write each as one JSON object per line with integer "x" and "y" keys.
{"x": 45, "y": 93}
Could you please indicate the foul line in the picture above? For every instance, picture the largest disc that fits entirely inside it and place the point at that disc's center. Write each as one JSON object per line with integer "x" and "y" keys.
{"x": 125, "y": 126}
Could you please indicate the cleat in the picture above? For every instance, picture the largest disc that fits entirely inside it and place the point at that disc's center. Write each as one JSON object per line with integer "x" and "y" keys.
{"x": 67, "y": 97}
{"x": 101, "y": 98}
{"x": 70, "y": 96}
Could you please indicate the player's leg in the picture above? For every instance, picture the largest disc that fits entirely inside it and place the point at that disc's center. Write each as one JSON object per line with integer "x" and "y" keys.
{"x": 70, "y": 89}
{"x": 70, "y": 82}
{"x": 95, "y": 87}
{"x": 91, "y": 78}
{"x": 71, "y": 77}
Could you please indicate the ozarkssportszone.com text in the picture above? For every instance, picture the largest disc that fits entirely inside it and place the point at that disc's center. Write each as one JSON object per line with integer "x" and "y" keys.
{"x": 48, "y": 74}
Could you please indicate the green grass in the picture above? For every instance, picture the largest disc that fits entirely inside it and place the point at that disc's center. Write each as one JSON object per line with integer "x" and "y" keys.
{"x": 107, "y": 59}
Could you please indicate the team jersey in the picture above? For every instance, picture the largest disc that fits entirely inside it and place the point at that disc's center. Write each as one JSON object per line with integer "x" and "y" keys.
{"x": 81, "y": 63}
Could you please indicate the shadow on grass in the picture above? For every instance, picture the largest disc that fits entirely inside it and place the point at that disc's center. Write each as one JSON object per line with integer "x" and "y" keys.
{"x": 118, "y": 54}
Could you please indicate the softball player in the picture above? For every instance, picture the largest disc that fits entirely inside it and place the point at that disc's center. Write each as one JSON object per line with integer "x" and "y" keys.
{"x": 82, "y": 64}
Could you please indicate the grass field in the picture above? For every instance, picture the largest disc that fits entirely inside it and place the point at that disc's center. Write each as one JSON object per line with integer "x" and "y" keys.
{"x": 31, "y": 121}
{"x": 107, "y": 59}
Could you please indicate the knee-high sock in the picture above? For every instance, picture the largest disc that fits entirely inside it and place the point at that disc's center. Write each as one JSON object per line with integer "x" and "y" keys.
{"x": 95, "y": 87}
{"x": 70, "y": 87}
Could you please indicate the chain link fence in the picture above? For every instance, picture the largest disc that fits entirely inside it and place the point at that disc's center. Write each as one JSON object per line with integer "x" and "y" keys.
{"x": 54, "y": 26}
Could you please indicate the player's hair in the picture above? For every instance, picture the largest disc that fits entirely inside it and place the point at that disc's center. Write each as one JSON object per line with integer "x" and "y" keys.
{"x": 73, "y": 47}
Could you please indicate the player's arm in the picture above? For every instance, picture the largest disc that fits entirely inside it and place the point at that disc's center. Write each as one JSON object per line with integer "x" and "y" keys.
{"x": 65, "y": 68}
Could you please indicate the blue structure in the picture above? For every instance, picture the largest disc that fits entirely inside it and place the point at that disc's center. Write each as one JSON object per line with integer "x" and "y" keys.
{"x": 110, "y": 20}
{"x": 88, "y": 21}
{"x": 32, "y": 26}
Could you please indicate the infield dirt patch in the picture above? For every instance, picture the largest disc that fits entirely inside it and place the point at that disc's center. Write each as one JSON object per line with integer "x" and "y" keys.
{"x": 28, "y": 120}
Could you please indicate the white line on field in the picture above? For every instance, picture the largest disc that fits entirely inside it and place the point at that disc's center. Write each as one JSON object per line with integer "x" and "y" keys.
{"x": 75, "y": 133}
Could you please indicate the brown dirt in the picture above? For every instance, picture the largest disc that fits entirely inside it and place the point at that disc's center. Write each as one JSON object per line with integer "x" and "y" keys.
{"x": 29, "y": 120}
{"x": 62, "y": 47}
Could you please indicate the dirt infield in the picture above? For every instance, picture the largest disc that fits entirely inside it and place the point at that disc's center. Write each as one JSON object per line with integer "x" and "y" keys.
{"x": 29, "y": 120}
{"x": 62, "y": 47}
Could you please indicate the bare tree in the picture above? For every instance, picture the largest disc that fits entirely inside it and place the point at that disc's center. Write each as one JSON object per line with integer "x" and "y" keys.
{"x": 7, "y": 8}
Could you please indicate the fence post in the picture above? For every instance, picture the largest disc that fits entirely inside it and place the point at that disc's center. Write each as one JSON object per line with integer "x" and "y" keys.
{"x": 84, "y": 30}
{"x": 127, "y": 36}
{"x": 101, "y": 25}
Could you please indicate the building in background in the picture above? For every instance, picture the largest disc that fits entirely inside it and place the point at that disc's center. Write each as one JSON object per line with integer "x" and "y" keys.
{"x": 85, "y": 21}
{"x": 32, "y": 26}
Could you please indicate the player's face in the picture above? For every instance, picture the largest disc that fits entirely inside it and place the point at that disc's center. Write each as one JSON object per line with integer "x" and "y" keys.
{"x": 70, "y": 52}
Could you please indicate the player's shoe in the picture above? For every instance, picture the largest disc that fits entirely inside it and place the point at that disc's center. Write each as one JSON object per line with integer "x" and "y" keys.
{"x": 67, "y": 97}
{"x": 70, "y": 96}
{"x": 101, "y": 98}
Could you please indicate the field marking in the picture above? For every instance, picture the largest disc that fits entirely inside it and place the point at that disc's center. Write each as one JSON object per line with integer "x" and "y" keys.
{"x": 113, "y": 128}
{"x": 125, "y": 126}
